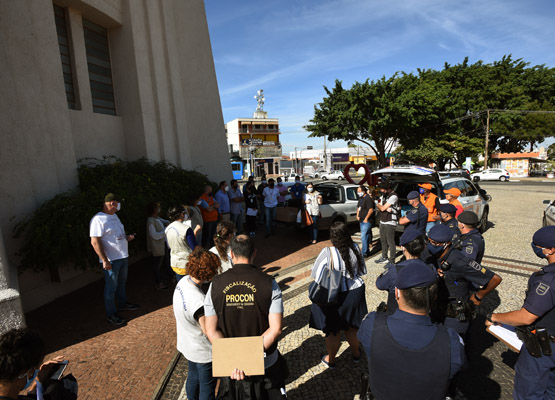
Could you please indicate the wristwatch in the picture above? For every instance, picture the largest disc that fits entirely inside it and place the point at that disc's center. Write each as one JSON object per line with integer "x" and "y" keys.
{"x": 477, "y": 298}
{"x": 488, "y": 317}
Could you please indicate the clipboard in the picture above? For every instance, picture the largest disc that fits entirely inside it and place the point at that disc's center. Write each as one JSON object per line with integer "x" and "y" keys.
{"x": 506, "y": 335}
{"x": 244, "y": 353}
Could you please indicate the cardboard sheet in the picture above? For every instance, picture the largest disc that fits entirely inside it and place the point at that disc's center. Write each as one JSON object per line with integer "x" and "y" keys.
{"x": 507, "y": 335}
{"x": 245, "y": 353}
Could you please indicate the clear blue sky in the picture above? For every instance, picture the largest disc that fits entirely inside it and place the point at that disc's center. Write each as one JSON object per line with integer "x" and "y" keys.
{"x": 292, "y": 48}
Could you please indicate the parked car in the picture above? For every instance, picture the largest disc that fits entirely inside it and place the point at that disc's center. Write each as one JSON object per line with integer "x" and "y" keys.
{"x": 332, "y": 175}
{"x": 291, "y": 176}
{"x": 340, "y": 203}
{"x": 491, "y": 174}
{"x": 549, "y": 213}
{"x": 406, "y": 179}
{"x": 550, "y": 175}
{"x": 455, "y": 172}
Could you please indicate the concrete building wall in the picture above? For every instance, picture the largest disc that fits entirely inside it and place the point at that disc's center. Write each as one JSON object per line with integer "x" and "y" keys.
{"x": 167, "y": 106}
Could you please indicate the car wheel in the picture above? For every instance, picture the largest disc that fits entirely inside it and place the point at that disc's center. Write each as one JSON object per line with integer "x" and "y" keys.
{"x": 502, "y": 178}
{"x": 476, "y": 179}
{"x": 324, "y": 178}
{"x": 484, "y": 221}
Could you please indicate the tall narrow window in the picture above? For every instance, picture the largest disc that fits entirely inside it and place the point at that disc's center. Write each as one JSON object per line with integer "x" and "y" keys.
{"x": 63, "y": 42}
{"x": 100, "y": 71}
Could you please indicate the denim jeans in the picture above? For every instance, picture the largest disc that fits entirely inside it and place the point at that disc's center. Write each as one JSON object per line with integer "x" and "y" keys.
{"x": 365, "y": 236}
{"x": 200, "y": 385}
{"x": 237, "y": 219}
{"x": 208, "y": 232}
{"x": 270, "y": 213}
{"x": 314, "y": 227}
{"x": 114, "y": 286}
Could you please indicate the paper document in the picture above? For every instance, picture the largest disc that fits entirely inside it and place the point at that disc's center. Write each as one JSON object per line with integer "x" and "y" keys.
{"x": 507, "y": 335}
{"x": 244, "y": 353}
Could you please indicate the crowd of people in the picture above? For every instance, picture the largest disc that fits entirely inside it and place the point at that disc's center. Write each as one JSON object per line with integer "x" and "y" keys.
{"x": 418, "y": 337}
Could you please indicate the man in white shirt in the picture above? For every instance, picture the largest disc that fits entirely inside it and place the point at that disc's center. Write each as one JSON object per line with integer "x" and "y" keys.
{"x": 271, "y": 194}
{"x": 109, "y": 241}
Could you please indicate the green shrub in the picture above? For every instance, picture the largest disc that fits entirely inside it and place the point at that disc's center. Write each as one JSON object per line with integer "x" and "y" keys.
{"x": 57, "y": 233}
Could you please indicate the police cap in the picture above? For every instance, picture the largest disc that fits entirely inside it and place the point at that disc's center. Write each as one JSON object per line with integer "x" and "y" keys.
{"x": 415, "y": 273}
{"x": 413, "y": 195}
{"x": 448, "y": 208}
{"x": 409, "y": 236}
{"x": 468, "y": 217}
{"x": 545, "y": 237}
{"x": 440, "y": 233}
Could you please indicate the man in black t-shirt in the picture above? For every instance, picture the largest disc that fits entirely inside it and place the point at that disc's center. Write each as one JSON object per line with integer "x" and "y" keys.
{"x": 365, "y": 212}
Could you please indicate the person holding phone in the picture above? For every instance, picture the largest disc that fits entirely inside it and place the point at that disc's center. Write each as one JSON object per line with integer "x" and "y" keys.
{"x": 22, "y": 369}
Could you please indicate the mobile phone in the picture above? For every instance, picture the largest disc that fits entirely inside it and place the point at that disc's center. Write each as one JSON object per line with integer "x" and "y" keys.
{"x": 59, "y": 369}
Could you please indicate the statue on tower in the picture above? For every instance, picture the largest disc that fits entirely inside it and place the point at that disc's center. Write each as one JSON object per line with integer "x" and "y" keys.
{"x": 260, "y": 99}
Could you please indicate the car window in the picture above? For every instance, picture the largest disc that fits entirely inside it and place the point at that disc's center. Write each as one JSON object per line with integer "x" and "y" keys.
{"x": 352, "y": 193}
{"x": 449, "y": 185}
{"x": 330, "y": 195}
{"x": 470, "y": 189}
{"x": 461, "y": 186}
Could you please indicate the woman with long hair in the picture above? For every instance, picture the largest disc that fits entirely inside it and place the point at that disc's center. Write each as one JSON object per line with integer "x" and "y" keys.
{"x": 312, "y": 201}
{"x": 181, "y": 239}
{"x": 225, "y": 231}
{"x": 188, "y": 308}
{"x": 347, "y": 314}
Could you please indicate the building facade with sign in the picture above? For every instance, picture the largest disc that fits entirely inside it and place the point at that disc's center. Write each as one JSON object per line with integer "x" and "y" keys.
{"x": 255, "y": 140}
{"x": 520, "y": 164}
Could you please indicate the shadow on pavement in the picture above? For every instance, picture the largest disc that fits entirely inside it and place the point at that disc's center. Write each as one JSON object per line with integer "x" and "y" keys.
{"x": 80, "y": 315}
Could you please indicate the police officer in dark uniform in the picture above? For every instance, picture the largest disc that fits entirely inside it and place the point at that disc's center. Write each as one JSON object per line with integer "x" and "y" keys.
{"x": 409, "y": 357}
{"x": 244, "y": 301}
{"x": 412, "y": 243}
{"x": 459, "y": 273}
{"x": 447, "y": 217}
{"x": 535, "y": 374}
{"x": 417, "y": 217}
{"x": 471, "y": 241}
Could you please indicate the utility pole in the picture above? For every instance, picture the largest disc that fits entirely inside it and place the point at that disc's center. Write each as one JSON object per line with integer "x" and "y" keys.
{"x": 296, "y": 162}
{"x": 487, "y": 142}
{"x": 325, "y": 156}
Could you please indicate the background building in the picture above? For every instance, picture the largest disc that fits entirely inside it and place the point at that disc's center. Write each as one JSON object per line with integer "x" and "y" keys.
{"x": 332, "y": 158}
{"x": 94, "y": 78}
{"x": 520, "y": 164}
{"x": 255, "y": 140}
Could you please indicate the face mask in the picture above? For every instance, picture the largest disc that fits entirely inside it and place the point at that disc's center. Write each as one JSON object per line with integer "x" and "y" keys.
{"x": 297, "y": 182}
{"x": 226, "y": 188}
{"x": 264, "y": 182}
{"x": 185, "y": 216}
{"x": 359, "y": 194}
{"x": 279, "y": 183}
{"x": 310, "y": 190}
{"x": 198, "y": 202}
{"x": 421, "y": 191}
{"x": 435, "y": 250}
{"x": 30, "y": 381}
{"x": 538, "y": 251}
{"x": 118, "y": 207}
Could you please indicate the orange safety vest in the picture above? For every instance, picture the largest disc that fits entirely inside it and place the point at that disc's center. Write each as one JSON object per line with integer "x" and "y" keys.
{"x": 208, "y": 216}
{"x": 430, "y": 204}
{"x": 458, "y": 205}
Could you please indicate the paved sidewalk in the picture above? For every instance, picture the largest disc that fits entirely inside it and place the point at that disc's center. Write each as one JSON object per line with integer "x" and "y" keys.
{"x": 128, "y": 362}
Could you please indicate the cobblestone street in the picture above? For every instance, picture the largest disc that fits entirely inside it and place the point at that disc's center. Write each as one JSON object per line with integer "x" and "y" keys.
{"x": 139, "y": 361}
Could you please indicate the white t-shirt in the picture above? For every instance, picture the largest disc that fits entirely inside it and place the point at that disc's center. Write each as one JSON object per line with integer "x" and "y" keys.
{"x": 225, "y": 264}
{"x": 112, "y": 235}
{"x": 270, "y": 196}
{"x": 191, "y": 342}
{"x": 391, "y": 199}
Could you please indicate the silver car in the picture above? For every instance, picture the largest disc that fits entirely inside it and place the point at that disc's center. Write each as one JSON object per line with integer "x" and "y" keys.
{"x": 340, "y": 203}
{"x": 549, "y": 213}
{"x": 406, "y": 178}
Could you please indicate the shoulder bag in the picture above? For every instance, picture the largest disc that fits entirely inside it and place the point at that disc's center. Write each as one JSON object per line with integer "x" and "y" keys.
{"x": 327, "y": 292}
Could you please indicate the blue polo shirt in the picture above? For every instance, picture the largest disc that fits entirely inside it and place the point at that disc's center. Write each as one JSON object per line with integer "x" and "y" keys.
{"x": 297, "y": 191}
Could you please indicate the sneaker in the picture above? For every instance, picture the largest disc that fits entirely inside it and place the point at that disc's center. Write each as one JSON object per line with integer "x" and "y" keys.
{"x": 128, "y": 307}
{"x": 381, "y": 260}
{"x": 116, "y": 320}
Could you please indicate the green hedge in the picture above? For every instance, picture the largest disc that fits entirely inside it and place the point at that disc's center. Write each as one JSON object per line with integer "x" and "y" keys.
{"x": 57, "y": 233}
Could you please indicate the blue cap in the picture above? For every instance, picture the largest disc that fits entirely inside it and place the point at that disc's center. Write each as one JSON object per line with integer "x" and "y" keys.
{"x": 448, "y": 208}
{"x": 468, "y": 217}
{"x": 545, "y": 237}
{"x": 409, "y": 236}
{"x": 440, "y": 233}
{"x": 413, "y": 195}
{"x": 414, "y": 273}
